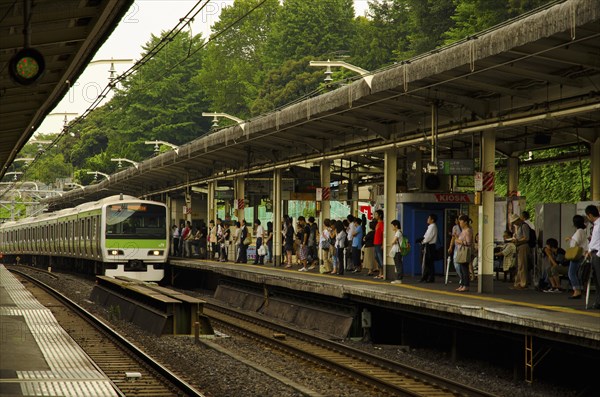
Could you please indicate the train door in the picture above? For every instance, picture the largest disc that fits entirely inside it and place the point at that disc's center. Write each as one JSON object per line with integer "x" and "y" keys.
{"x": 97, "y": 236}
{"x": 419, "y": 227}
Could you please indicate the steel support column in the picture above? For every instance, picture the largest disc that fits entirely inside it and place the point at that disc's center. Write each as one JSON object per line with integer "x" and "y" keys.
{"x": 325, "y": 204}
{"x": 239, "y": 194}
{"x": 210, "y": 202}
{"x": 277, "y": 216}
{"x": 486, "y": 217}
{"x": 389, "y": 210}
{"x": 513, "y": 176}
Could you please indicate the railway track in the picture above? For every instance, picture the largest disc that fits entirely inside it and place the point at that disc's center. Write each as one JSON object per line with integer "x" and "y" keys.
{"x": 112, "y": 353}
{"x": 388, "y": 376}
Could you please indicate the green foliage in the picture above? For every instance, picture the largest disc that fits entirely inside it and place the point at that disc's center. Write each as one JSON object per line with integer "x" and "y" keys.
{"x": 377, "y": 37}
{"x": 231, "y": 71}
{"x": 310, "y": 27}
{"x": 290, "y": 81}
{"x": 428, "y": 21}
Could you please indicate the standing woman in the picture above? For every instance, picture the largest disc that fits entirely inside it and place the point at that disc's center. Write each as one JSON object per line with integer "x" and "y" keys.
{"x": 289, "y": 241}
{"x": 369, "y": 250}
{"x": 340, "y": 244}
{"x": 269, "y": 242}
{"x": 464, "y": 242}
{"x": 577, "y": 240}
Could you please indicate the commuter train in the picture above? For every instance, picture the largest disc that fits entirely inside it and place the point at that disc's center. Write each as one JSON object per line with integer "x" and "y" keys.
{"x": 115, "y": 236}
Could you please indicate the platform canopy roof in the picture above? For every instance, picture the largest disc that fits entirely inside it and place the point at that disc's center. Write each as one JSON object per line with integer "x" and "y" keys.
{"x": 533, "y": 82}
{"x": 67, "y": 34}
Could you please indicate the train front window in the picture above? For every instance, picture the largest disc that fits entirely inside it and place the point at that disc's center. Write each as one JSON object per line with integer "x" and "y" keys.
{"x": 140, "y": 221}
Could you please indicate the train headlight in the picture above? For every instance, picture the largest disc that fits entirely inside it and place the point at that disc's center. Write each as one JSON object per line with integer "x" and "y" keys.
{"x": 115, "y": 252}
{"x": 155, "y": 253}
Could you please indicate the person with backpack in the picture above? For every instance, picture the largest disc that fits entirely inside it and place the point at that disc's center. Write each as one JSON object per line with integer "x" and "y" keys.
{"x": 400, "y": 249}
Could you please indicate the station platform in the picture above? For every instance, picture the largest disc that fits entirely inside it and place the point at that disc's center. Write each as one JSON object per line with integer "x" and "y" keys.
{"x": 549, "y": 315}
{"x": 37, "y": 356}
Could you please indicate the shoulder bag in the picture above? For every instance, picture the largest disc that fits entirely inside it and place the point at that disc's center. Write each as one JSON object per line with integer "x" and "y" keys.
{"x": 573, "y": 253}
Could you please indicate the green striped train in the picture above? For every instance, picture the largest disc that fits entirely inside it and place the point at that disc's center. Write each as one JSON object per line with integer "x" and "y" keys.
{"x": 115, "y": 236}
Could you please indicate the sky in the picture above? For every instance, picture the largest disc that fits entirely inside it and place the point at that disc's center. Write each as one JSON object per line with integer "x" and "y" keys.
{"x": 124, "y": 46}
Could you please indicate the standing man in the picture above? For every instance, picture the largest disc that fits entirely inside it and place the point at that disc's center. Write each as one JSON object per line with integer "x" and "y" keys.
{"x": 428, "y": 243}
{"x": 175, "y": 233}
{"x": 378, "y": 243}
{"x": 591, "y": 211}
{"x": 531, "y": 243}
{"x": 521, "y": 240}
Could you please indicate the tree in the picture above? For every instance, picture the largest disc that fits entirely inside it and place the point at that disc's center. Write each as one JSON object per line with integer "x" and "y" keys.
{"x": 310, "y": 27}
{"x": 158, "y": 102}
{"x": 428, "y": 21}
{"x": 472, "y": 16}
{"x": 293, "y": 80}
{"x": 383, "y": 31}
{"x": 233, "y": 60}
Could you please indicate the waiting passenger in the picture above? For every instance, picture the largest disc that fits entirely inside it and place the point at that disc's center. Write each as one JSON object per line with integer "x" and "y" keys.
{"x": 378, "y": 243}
{"x": 398, "y": 259}
{"x": 593, "y": 252}
{"x": 429, "y": 246}
{"x": 550, "y": 265}
{"x": 224, "y": 242}
{"x": 508, "y": 252}
{"x": 302, "y": 234}
{"x": 578, "y": 239}
{"x": 259, "y": 233}
{"x": 357, "y": 238}
{"x": 340, "y": 244}
{"x": 313, "y": 252}
{"x": 521, "y": 240}
{"x": 288, "y": 242}
{"x": 463, "y": 256}
{"x": 269, "y": 242}
{"x": 175, "y": 235}
{"x": 369, "y": 249}
{"x": 326, "y": 247}
{"x": 453, "y": 248}
{"x": 245, "y": 241}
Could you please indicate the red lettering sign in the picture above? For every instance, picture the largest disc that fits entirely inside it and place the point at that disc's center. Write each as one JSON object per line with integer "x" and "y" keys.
{"x": 452, "y": 198}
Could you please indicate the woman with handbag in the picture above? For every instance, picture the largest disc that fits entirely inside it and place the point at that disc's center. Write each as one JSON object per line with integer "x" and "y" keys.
{"x": 578, "y": 244}
{"x": 464, "y": 242}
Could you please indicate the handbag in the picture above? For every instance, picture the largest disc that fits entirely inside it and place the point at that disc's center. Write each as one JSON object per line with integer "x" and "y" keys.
{"x": 573, "y": 253}
{"x": 247, "y": 241}
{"x": 463, "y": 254}
{"x": 262, "y": 250}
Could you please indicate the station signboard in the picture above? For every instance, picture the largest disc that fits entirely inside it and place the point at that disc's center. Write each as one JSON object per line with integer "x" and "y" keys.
{"x": 456, "y": 167}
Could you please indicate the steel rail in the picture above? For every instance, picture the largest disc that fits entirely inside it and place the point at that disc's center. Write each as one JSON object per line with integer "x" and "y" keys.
{"x": 183, "y": 388}
{"x": 384, "y": 374}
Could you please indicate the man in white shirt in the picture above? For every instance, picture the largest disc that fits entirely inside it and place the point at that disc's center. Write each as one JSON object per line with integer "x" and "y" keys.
{"x": 428, "y": 243}
{"x": 591, "y": 211}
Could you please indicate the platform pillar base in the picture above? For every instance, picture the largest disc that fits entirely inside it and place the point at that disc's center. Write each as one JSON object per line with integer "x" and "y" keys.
{"x": 486, "y": 283}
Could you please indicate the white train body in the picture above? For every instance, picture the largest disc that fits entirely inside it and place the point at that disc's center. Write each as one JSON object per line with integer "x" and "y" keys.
{"x": 118, "y": 235}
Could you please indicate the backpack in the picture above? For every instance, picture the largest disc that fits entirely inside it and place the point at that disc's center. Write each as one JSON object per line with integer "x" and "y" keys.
{"x": 404, "y": 246}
